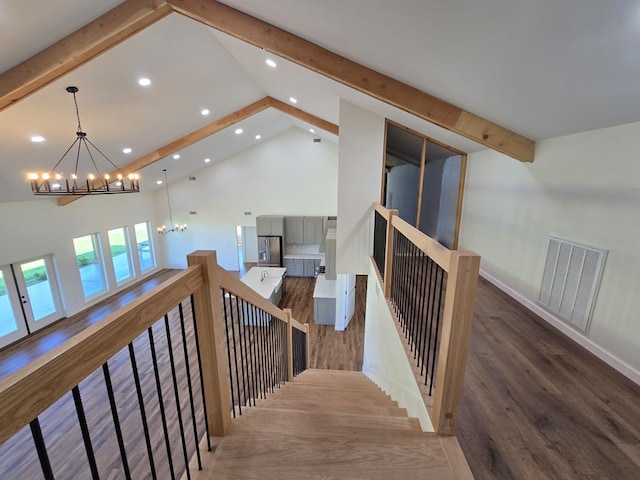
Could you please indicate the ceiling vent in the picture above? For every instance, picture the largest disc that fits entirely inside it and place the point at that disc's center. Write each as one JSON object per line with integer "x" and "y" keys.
{"x": 317, "y": 140}
{"x": 192, "y": 179}
{"x": 571, "y": 279}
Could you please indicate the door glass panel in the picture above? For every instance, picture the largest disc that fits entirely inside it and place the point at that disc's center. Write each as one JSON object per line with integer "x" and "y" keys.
{"x": 120, "y": 253}
{"x": 90, "y": 264}
{"x": 8, "y": 322}
{"x": 143, "y": 242}
{"x": 38, "y": 288}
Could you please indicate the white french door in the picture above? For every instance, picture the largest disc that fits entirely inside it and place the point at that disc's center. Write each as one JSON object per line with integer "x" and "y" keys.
{"x": 29, "y": 298}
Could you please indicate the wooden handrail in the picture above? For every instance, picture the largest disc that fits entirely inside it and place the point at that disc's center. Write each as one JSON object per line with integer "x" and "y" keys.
{"x": 31, "y": 390}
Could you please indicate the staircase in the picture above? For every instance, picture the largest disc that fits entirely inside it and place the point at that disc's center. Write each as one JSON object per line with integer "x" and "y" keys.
{"x": 330, "y": 424}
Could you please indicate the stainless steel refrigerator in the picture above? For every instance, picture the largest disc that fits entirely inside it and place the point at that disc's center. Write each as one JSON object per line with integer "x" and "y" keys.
{"x": 270, "y": 251}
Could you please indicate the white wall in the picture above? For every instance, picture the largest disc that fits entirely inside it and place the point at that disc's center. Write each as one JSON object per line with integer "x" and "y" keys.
{"x": 385, "y": 361}
{"x": 584, "y": 188}
{"x": 286, "y": 175}
{"x": 361, "y": 155}
{"x": 36, "y": 228}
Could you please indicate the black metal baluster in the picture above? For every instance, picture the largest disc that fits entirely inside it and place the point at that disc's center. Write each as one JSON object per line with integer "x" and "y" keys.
{"x": 41, "y": 448}
{"x": 225, "y": 295}
{"x": 428, "y": 345}
{"x": 185, "y": 352}
{"x": 243, "y": 352}
{"x": 421, "y": 312}
{"x": 263, "y": 354}
{"x": 176, "y": 395}
{"x": 395, "y": 272}
{"x": 270, "y": 347}
{"x": 116, "y": 420}
{"x": 84, "y": 428}
{"x": 145, "y": 425}
{"x": 235, "y": 354}
{"x": 433, "y": 363}
{"x": 163, "y": 415}
{"x": 412, "y": 296}
{"x": 252, "y": 354}
{"x": 204, "y": 403}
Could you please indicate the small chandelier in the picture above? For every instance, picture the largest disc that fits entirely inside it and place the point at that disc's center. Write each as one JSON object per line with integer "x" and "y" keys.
{"x": 56, "y": 183}
{"x": 175, "y": 227}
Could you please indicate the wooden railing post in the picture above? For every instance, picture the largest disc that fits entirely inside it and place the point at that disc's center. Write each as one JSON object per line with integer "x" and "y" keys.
{"x": 287, "y": 312}
{"x": 462, "y": 281}
{"x": 211, "y": 338}
{"x": 388, "y": 254}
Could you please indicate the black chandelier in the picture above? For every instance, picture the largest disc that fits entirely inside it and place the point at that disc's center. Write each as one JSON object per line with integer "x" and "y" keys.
{"x": 56, "y": 183}
{"x": 177, "y": 227}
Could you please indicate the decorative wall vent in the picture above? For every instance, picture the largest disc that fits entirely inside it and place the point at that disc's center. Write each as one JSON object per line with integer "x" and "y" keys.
{"x": 571, "y": 279}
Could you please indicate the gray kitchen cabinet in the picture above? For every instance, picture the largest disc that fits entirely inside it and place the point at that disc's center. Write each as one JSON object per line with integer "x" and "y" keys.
{"x": 324, "y": 311}
{"x": 294, "y": 230}
{"x": 330, "y": 255}
{"x": 294, "y": 266}
{"x": 270, "y": 225}
{"x": 309, "y": 267}
{"x": 313, "y": 230}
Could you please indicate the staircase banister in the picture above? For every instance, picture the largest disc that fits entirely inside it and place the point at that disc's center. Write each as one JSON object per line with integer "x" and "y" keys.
{"x": 236, "y": 287}
{"x": 436, "y": 251}
{"x": 28, "y": 392}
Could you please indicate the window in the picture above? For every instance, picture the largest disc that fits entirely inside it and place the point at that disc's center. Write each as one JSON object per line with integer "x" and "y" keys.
{"x": 8, "y": 322}
{"x": 90, "y": 264}
{"x": 143, "y": 242}
{"x": 119, "y": 247}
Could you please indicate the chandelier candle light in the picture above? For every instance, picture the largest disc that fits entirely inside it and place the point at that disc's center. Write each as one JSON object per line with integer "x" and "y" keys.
{"x": 175, "y": 227}
{"x": 55, "y": 183}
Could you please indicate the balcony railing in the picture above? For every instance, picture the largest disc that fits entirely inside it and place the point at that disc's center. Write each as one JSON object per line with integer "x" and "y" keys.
{"x": 136, "y": 394}
{"x": 430, "y": 291}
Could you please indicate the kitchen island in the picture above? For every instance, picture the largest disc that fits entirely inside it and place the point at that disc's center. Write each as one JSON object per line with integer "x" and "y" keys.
{"x": 267, "y": 282}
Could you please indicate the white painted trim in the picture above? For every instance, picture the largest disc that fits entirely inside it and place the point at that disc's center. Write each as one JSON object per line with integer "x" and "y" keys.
{"x": 570, "y": 332}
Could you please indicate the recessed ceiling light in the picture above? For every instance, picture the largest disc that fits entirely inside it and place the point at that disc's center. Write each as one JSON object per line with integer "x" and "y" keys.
{"x": 239, "y": 131}
{"x": 205, "y": 112}
{"x": 176, "y": 156}
{"x": 258, "y": 137}
{"x": 312, "y": 130}
{"x": 271, "y": 63}
{"x": 126, "y": 150}
{"x": 144, "y": 82}
{"x": 159, "y": 182}
{"x": 293, "y": 100}
{"x": 37, "y": 138}
{"x": 207, "y": 160}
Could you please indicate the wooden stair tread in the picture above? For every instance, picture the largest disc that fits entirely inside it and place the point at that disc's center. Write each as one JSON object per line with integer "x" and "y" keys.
{"x": 329, "y": 425}
{"x": 271, "y": 419}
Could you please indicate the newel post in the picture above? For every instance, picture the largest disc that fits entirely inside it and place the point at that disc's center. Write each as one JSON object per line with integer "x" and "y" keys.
{"x": 287, "y": 312}
{"x": 211, "y": 339}
{"x": 462, "y": 282}
{"x": 388, "y": 255}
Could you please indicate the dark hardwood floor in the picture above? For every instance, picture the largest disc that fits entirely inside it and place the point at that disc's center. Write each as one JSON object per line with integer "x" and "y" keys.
{"x": 535, "y": 404}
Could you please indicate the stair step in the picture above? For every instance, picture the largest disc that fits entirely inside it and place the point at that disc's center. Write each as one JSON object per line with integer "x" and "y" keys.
{"x": 319, "y": 424}
{"x": 335, "y": 395}
{"x": 321, "y": 406}
{"x": 290, "y": 455}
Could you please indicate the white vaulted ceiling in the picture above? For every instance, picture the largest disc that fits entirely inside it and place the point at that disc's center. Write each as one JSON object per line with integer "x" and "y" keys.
{"x": 542, "y": 69}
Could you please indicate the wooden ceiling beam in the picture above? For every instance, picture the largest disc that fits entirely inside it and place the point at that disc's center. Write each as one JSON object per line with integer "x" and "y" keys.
{"x": 304, "y": 116}
{"x": 113, "y": 27}
{"x": 182, "y": 142}
{"x": 364, "y": 79}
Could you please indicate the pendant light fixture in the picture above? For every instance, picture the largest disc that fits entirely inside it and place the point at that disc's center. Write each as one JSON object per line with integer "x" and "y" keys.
{"x": 175, "y": 227}
{"x": 56, "y": 182}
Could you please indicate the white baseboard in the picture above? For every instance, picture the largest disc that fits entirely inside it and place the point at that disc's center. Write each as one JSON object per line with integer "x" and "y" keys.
{"x": 570, "y": 332}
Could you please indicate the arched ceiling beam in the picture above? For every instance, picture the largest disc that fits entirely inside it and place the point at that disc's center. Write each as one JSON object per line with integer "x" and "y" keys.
{"x": 341, "y": 69}
{"x": 105, "y": 32}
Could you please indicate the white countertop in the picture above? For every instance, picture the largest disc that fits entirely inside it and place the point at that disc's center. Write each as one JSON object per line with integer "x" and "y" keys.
{"x": 314, "y": 256}
{"x": 324, "y": 288}
{"x": 271, "y": 282}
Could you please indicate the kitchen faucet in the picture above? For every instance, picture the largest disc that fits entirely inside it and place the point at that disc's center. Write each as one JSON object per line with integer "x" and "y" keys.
{"x": 264, "y": 275}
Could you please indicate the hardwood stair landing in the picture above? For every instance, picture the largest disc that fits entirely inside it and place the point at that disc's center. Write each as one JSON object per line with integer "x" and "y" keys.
{"x": 330, "y": 425}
